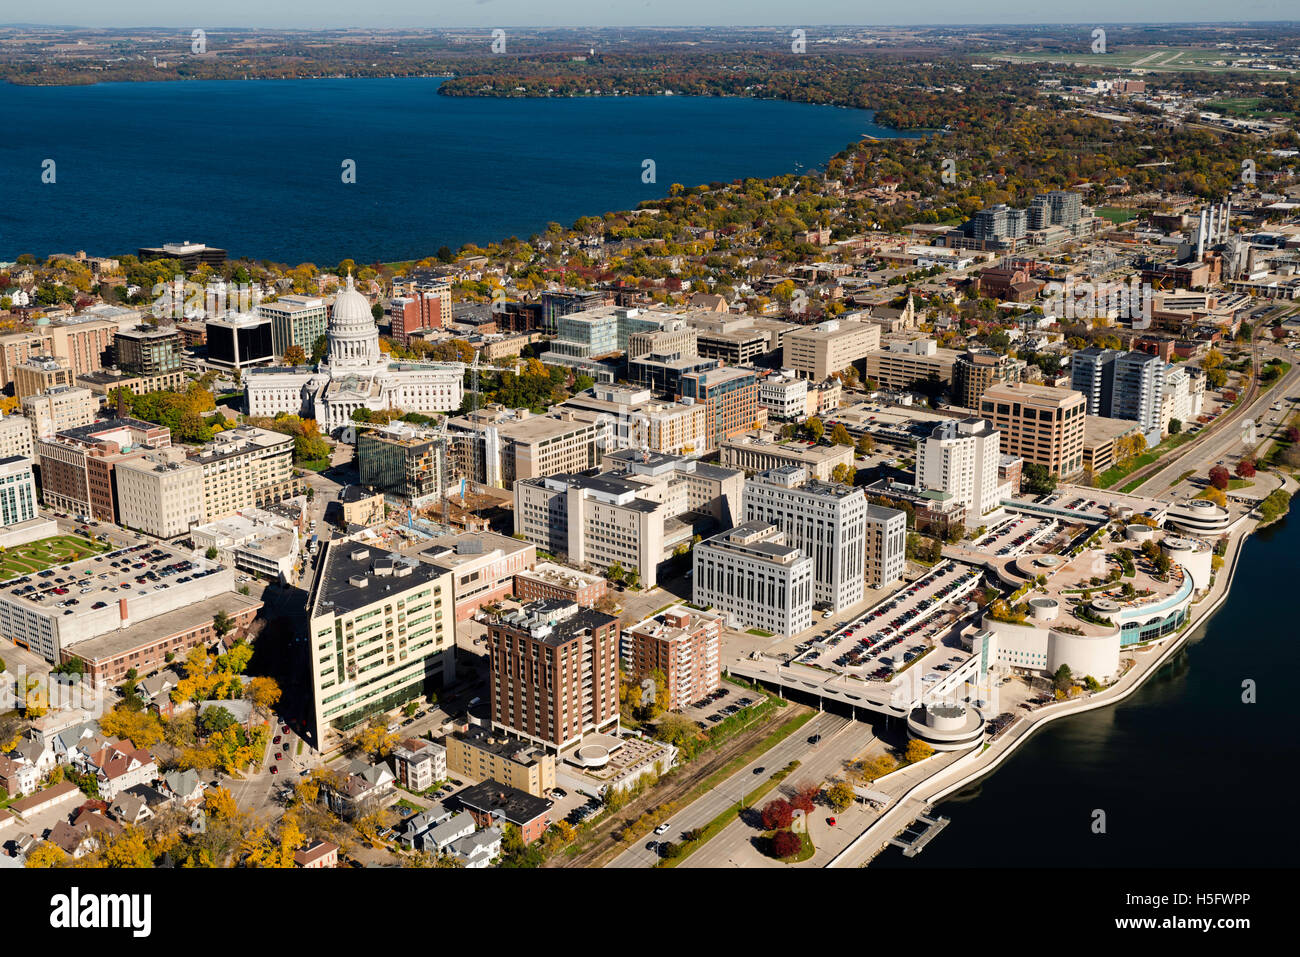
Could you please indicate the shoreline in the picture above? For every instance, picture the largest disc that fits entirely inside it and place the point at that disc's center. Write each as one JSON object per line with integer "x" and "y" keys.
{"x": 925, "y": 794}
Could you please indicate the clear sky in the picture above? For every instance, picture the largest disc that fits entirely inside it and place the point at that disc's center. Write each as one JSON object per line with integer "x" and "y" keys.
{"x": 462, "y": 13}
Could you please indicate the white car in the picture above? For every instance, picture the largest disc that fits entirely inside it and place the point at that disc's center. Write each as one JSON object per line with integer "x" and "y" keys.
{"x": 662, "y": 829}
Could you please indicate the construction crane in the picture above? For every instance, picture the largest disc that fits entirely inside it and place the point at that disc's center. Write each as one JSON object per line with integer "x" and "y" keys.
{"x": 473, "y": 381}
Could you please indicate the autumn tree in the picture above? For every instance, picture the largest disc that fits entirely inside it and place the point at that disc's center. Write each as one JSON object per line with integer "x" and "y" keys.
{"x": 814, "y": 429}
{"x": 1220, "y": 477}
{"x": 1246, "y": 468}
{"x": 295, "y": 355}
{"x": 46, "y": 854}
{"x": 840, "y": 435}
{"x": 786, "y": 844}
{"x": 840, "y": 795}
{"x": 917, "y": 750}
{"x": 777, "y": 813}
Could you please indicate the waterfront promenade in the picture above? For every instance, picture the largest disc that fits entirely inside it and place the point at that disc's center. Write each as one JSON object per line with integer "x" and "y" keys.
{"x": 918, "y": 787}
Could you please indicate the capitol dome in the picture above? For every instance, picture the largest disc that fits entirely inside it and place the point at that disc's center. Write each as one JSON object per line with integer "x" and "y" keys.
{"x": 353, "y": 335}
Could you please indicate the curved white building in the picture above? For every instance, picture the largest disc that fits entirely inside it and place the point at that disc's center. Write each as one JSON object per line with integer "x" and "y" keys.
{"x": 946, "y": 727}
{"x": 1196, "y": 559}
{"x": 354, "y": 375}
{"x": 1199, "y": 516}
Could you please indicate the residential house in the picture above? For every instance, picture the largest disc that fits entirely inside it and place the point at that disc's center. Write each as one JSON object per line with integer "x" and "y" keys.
{"x": 120, "y": 766}
{"x": 413, "y": 832}
{"x": 479, "y": 849}
{"x": 18, "y": 776}
{"x": 184, "y": 787}
{"x": 439, "y": 838}
{"x": 366, "y": 787}
{"x": 317, "y": 855}
{"x": 418, "y": 764}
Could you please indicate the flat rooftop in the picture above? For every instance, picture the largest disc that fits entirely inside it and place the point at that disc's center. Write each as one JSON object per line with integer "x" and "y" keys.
{"x": 384, "y": 573}
{"x": 162, "y": 626}
{"x": 493, "y": 797}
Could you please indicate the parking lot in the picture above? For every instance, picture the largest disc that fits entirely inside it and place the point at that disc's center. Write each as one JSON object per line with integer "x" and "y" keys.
{"x": 1015, "y": 536}
{"x": 95, "y": 582}
{"x": 892, "y": 634}
{"x": 723, "y": 703}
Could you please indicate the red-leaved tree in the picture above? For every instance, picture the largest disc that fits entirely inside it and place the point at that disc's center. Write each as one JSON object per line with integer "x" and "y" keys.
{"x": 1219, "y": 477}
{"x": 805, "y": 797}
{"x": 1245, "y": 468}
{"x": 786, "y": 844}
{"x": 777, "y": 814}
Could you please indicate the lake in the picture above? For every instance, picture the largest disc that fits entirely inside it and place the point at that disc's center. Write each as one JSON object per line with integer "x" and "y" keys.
{"x": 255, "y": 167}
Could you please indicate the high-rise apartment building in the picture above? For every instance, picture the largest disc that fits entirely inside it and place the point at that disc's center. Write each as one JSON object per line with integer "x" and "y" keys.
{"x": 553, "y": 670}
{"x": 85, "y": 342}
{"x": 731, "y": 397}
{"x": 17, "y": 491}
{"x": 1042, "y": 425}
{"x": 1092, "y": 372}
{"x": 910, "y": 364}
{"x": 382, "y": 633}
{"x": 755, "y": 578}
{"x": 824, "y": 520}
{"x": 60, "y": 408}
{"x": 999, "y": 223}
{"x": 426, "y": 306}
{"x": 1139, "y": 391}
{"x": 961, "y": 458}
{"x": 681, "y": 644}
{"x": 77, "y": 464}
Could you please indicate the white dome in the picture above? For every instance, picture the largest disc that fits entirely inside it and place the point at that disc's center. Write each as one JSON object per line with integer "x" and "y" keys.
{"x": 351, "y": 308}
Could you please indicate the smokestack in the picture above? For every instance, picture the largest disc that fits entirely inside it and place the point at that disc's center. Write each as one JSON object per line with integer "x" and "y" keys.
{"x": 1200, "y": 237}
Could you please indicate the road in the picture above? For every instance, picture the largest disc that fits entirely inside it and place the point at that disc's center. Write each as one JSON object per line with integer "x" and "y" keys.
{"x": 733, "y": 848}
{"x": 1224, "y": 440}
{"x": 708, "y": 806}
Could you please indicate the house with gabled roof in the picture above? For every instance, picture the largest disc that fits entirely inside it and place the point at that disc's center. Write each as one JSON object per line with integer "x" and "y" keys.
{"x": 120, "y": 765}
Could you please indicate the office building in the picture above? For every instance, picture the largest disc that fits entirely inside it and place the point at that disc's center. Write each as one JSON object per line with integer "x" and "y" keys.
{"x": 731, "y": 398}
{"x": 630, "y": 417}
{"x": 479, "y": 754}
{"x": 295, "y": 321}
{"x": 961, "y": 457}
{"x": 85, "y": 342}
{"x": 557, "y": 304}
{"x": 886, "y": 545}
{"x": 263, "y": 543}
{"x": 246, "y": 466}
{"x": 17, "y": 347}
{"x": 814, "y": 352}
{"x": 974, "y": 371}
{"x": 482, "y": 565}
{"x": 239, "y": 341}
{"x": 39, "y": 374}
{"x": 190, "y": 255}
{"x": 77, "y": 464}
{"x": 16, "y": 437}
{"x": 382, "y": 633}
{"x": 824, "y": 520}
{"x": 1042, "y": 425}
{"x": 60, "y": 408}
{"x": 683, "y": 645}
{"x": 785, "y": 397}
{"x": 500, "y": 446}
{"x": 401, "y": 461}
{"x": 671, "y": 336}
{"x": 662, "y": 373}
{"x": 905, "y": 364}
{"x": 737, "y": 340}
{"x": 760, "y": 450}
{"x": 553, "y": 670}
{"x": 148, "y": 351}
{"x": 17, "y": 491}
{"x": 160, "y": 493}
{"x": 755, "y": 579}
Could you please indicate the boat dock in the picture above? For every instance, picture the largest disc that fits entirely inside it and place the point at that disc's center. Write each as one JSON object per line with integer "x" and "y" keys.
{"x": 913, "y": 838}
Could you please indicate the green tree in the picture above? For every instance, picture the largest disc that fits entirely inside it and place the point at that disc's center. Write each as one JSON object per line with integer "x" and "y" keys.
{"x": 814, "y": 429}
{"x": 840, "y": 435}
{"x": 1063, "y": 678}
{"x": 1037, "y": 479}
{"x": 211, "y": 553}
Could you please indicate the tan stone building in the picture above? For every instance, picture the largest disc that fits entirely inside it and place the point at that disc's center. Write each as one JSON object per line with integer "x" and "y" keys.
{"x": 814, "y": 352}
{"x": 975, "y": 371}
{"x": 906, "y": 363}
{"x": 481, "y": 754}
{"x": 760, "y": 450}
{"x": 40, "y": 373}
{"x": 160, "y": 494}
{"x": 1041, "y": 424}
{"x": 60, "y": 408}
{"x": 246, "y": 466}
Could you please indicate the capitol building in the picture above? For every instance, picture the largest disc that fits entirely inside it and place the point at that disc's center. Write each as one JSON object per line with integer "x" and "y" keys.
{"x": 353, "y": 375}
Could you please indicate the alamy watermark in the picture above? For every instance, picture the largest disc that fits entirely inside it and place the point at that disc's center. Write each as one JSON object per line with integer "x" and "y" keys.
{"x": 51, "y": 692}
{"x": 187, "y": 299}
{"x": 1104, "y": 300}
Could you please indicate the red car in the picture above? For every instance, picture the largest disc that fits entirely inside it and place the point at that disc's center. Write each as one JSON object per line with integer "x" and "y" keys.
{"x": 279, "y": 756}
{"x": 276, "y": 740}
{"x": 274, "y": 769}
{"x": 829, "y": 820}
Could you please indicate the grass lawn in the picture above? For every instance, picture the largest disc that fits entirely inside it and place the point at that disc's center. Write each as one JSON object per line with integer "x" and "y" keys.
{"x": 1117, "y": 472}
{"x": 57, "y": 550}
{"x": 314, "y": 465}
{"x": 1233, "y": 485}
{"x": 760, "y": 632}
{"x": 1116, "y": 215}
{"x": 806, "y": 851}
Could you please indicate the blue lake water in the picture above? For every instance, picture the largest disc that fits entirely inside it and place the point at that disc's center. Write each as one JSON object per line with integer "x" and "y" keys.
{"x": 256, "y": 166}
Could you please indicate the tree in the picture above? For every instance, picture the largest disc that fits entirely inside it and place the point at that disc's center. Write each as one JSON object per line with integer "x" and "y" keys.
{"x": 1220, "y": 477}
{"x": 221, "y": 624}
{"x": 319, "y": 348}
{"x": 844, "y": 473}
{"x": 670, "y": 850}
{"x": 211, "y": 553}
{"x": 1037, "y": 479}
{"x": 866, "y": 444}
{"x": 1175, "y": 426}
{"x": 376, "y": 740}
{"x": 814, "y": 429}
{"x": 144, "y": 728}
{"x": 215, "y": 720}
{"x": 295, "y": 355}
{"x": 263, "y": 692}
{"x": 615, "y": 572}
{"x": 46, "y": 854}
{"x": 840, "y": 796}
{"x": 1217, "y": 496}
{"x": 1216, "y": 378}
{"x": 917, "y": 750}
{"x": 840, "y": 435}
{"x": 786, "y": 844}
{"x": 1063, "y": 678}
{"x": 1246, "y": 468}
{"x": 777, "y": 814}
